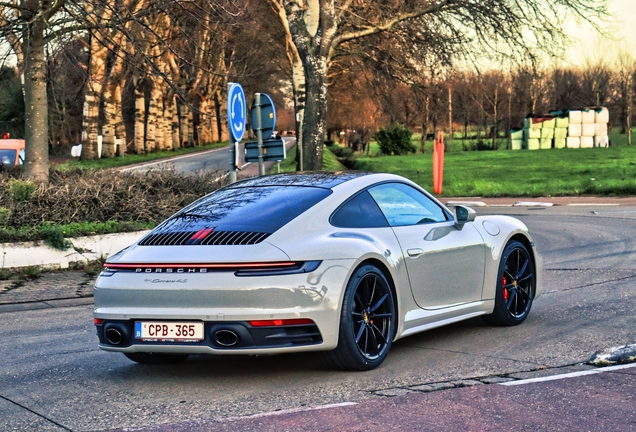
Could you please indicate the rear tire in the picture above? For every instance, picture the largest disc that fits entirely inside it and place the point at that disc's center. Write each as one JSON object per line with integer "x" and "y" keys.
{"x": 367, "y": 322}
{"x": 156, "y": 358}
{"x": 516, "y": 284}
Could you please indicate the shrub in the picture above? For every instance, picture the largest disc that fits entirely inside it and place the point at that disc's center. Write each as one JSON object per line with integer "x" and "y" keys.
{"x": 30, "y": 272}
{"x": 21, "y": 190}
{"x": 5, "y": 215}
{"x": 54, "y": 237}
{"x": 394, "y": 139}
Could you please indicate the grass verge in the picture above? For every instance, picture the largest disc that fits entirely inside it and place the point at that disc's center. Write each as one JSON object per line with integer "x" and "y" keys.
{"x": 131, "y": 159}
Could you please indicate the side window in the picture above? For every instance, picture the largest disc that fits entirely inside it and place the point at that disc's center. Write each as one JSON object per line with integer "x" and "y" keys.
{"x": 359, "y": 212}
{"x": 404, "y": 205}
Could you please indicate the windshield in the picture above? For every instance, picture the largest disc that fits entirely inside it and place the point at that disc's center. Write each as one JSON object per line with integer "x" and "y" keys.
{"x": 7, "y": 156}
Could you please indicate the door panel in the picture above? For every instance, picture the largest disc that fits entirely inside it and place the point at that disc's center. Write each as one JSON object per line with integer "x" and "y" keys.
{"x": 445, "y": 265}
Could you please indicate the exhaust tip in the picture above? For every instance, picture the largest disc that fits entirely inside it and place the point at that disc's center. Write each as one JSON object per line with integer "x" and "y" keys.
{"x": 114, "y": 336}
{"x": 226, "y": 338}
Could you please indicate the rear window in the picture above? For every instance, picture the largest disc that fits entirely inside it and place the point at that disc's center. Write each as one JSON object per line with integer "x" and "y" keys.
{"x": 256, "y": 209}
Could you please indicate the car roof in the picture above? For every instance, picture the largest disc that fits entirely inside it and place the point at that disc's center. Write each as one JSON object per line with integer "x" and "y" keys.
{"x": 322, "y": 179}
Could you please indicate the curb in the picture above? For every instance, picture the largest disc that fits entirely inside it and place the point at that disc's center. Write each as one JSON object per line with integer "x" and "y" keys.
{"x": 85, "y": 249}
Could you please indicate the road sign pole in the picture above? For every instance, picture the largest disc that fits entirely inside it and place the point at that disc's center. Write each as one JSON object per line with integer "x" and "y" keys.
{"x": 259, "y": 135}
{"x": 232, "y": 148}
{"x": 236, "y": 122}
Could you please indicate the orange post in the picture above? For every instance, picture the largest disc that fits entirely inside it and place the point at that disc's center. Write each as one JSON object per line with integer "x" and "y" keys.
{"x": 438, "y": 163}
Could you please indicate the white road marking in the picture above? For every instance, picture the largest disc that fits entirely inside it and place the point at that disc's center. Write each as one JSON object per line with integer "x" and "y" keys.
{"x": 288, "y": 411}
{"x": 569, "y": 375}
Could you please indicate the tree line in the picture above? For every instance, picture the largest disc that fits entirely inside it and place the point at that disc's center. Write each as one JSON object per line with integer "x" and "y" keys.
{"x": 154, "y": 73}
{"x": 474, "y": 104}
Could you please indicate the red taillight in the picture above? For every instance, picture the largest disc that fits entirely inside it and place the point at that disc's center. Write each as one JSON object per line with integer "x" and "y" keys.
{"x": 281, "y": 322}
{"x": 98, "y": 321}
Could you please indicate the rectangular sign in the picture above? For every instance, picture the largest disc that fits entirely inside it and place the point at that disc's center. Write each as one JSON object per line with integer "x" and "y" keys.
{"x": 273, "y": 150}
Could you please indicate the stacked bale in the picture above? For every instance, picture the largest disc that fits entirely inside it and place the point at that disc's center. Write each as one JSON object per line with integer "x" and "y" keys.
{"x": 601, "y": 129}
{"x": 588, "y": 118}
{"x": 561, "y": 131}
{"x": 532, "y": 133}
{"x": 582, "y": 128}
{"x": 516, "y": 139}
{"x": 547, "y": 132}
{"x": 575, "y": 129}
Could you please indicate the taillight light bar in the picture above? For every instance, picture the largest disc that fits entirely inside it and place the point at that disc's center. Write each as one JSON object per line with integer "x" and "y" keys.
{"x": 232, "y": 266}
{"x": 281, "y": 322}
{"x": 240, "y": 269}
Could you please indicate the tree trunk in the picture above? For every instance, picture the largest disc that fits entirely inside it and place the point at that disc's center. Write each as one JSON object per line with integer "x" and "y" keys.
{"x": 174, "y": 125}
{"x": 36, "y": 165}
{"x": 108, "y": 131}
{"x": 120, "y": 127}
{"x": 315, "y": 117}
{"x": 184, "y": 132}
{"x": 153, "y": 113}
{"x": 140, "y": 117}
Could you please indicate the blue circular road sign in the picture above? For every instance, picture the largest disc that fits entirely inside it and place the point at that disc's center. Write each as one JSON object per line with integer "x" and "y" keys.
{"x": 236, "y": 111}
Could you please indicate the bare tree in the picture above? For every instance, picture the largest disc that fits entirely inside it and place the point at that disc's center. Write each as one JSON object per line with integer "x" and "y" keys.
{"x": 319, "y": 28}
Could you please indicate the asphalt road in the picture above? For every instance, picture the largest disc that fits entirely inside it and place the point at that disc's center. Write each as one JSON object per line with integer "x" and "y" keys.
{"x": 52, "y": 376}
{"x": 211, "y": 160}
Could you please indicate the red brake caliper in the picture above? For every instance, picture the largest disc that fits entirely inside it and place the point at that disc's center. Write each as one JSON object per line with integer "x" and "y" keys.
{"x": 504, "y": 282}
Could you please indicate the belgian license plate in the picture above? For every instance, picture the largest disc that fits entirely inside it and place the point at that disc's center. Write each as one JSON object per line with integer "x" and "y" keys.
{"x": 169, "y": 331}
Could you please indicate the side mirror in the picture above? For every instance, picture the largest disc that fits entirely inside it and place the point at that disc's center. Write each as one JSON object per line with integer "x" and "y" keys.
{"x": 463, "y": 215}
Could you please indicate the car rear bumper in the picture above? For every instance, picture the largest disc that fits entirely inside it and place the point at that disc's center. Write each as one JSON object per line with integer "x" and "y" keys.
{"x": 227, "y": 303}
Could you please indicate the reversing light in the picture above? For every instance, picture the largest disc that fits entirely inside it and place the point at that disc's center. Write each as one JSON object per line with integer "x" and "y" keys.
{"x": 281, "y": 322}
{"x": 98, "y": 321}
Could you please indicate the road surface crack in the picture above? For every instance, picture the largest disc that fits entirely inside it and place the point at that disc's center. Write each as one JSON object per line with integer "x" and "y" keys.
{"x": 36, "y": 413}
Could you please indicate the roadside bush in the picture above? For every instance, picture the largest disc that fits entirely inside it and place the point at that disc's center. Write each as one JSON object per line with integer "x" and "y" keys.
{"x": 5, "y": 214}
{"x": 21, "y": 190}
{"x": 394, "y": 139}
{"x": 84, "y": 202}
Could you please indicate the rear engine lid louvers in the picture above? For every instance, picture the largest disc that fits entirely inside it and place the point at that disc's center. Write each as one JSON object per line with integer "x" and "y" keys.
{"x": 204, "y": 238}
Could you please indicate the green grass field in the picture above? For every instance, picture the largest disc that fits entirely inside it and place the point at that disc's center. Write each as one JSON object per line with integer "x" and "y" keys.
{"x": 555, "y": 172}
{"x": 597, "y": 171}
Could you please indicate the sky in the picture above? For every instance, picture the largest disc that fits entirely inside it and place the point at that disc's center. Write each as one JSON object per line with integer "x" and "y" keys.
{"x": 590, "y": 45}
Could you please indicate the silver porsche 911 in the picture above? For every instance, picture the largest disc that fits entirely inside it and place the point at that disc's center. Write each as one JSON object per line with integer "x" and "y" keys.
{"x": 339, "y": 263}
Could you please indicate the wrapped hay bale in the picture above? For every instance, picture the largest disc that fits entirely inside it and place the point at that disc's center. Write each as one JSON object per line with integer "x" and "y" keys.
{"x": 562, "y": 122}
{"x": 575, "y": 130}
{"x": 546, "y": 143}
{"x": 600, "y": 129}
{"x": 574, "y": 117}
{"x": 587, "y": 142}
{"x": 534, "y": 133}
{"x": 560, "y": 142}
{"x": 560, "y": 133}
{"x": 516, "y": 134}
{"x": 588, "y": 116}
{"x": 588, "y": 129}
{"x": 601, "y": 141}
{"x": 573, "y": 142}
{"x": 534, "y": 144}
{"x": 601, "y": 115}
{"x": 516, "y": 144}
{"x": 548, "y": 123}
{"x": 547, "y": 133}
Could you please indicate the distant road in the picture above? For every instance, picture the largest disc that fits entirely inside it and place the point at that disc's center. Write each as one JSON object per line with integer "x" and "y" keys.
{"x": 210, "y": 160}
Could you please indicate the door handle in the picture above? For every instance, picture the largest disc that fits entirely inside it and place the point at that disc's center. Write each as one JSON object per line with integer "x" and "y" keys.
{"x": 414, "y": 252}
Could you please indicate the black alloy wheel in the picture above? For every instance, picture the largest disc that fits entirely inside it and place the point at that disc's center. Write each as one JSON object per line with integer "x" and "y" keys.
{"x": 367, "y": 322}
{"x": 516, "y": 284}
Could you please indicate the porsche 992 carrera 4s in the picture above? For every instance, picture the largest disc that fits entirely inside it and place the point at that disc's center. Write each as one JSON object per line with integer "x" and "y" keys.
{"x": 342, "y": 264}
